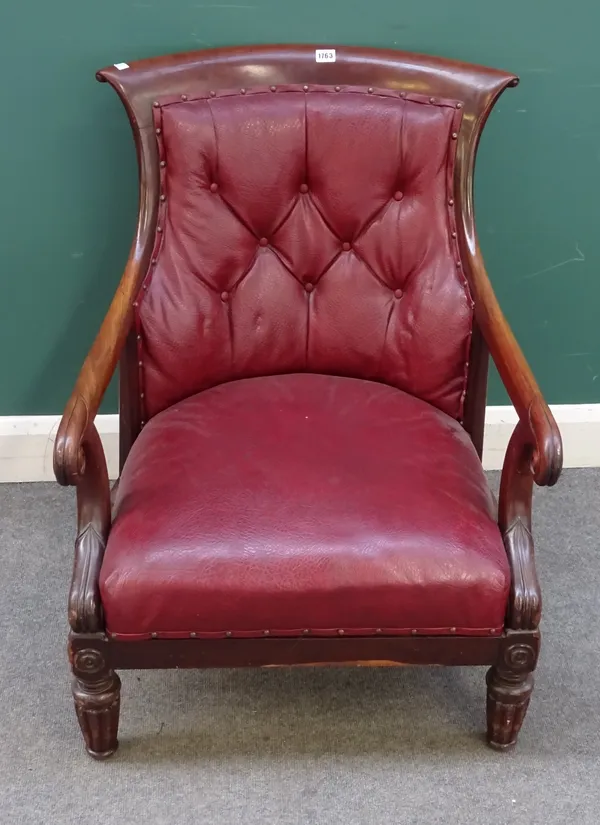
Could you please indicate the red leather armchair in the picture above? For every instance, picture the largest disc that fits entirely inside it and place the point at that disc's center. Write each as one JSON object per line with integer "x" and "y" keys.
{"x": 303, "y": 328}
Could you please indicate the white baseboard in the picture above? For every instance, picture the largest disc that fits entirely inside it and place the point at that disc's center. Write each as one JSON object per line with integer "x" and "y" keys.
{"x": 26, "y": 442}
{"x": 579, "y": 425}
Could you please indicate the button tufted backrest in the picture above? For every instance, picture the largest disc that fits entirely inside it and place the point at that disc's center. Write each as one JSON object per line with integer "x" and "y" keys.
{"x": 305, "y": 229}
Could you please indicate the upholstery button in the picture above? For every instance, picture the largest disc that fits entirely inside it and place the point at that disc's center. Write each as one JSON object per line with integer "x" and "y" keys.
{"x": 243, "y": 91}
{"x": 337, "y": 88}
{"x": 212, "y": 94}
{"x": 459, "y": 105}
{"x": 184, "y": 97}
{"x": 451, "y": 202}
{"x": 454, "y": 135}
{"x": 304, "y": 188}
{"x": 346, "y": 246}
{"x": 370, "y": 90}
{"x": 305, "y": 88}
{"x": 158, "y": 131}
{"x": 308, "y": 286}
{"x": 264, "y": 242}
{"x": 163, "y": 163}
{"x": 432, "y": 99}
{"x": 398, "y": 196}
{"x": 273, "y": 88}
{"x": 398, "y": 293}
{"x": 214, "y": 187}
{"x": 224, "y": 296}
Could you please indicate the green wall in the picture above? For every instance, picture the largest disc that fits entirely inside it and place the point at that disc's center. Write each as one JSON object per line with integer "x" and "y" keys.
{"x": 68, "y": 164}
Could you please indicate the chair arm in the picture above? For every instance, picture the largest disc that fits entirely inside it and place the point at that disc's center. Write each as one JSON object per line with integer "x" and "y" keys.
{"x": 534, "y": 452}
{"x": 79, "y": 458}
{"x": 95, "y": 375}
{"x": 538, "y": 432}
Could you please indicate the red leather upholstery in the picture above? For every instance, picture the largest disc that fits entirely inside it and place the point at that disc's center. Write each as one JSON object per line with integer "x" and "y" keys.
{"x": 303, "y": 503}
{"x": 305, "y": 229}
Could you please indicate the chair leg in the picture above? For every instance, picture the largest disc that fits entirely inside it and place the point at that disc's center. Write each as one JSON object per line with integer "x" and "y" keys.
{"x": 97, "y": 705}
{"x": 508, "y": 697}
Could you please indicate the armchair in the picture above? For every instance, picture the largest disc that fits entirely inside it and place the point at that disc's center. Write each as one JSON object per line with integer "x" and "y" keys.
{"x": 303, "y": 328}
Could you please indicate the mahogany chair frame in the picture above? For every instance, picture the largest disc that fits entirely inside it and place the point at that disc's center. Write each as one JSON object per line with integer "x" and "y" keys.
{"x": 534, "y": 453}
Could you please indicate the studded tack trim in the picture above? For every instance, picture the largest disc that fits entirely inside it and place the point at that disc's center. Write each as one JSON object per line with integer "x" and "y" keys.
{"x": 311, "y": 632}
{"x": 310, "y": 287}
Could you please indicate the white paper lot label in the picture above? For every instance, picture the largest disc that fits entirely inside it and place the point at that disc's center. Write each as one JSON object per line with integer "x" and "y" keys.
{"x": 325, "y": 55}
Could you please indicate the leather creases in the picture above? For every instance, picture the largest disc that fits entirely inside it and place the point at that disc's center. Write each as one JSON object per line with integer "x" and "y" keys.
{"x": 306, "y": 229}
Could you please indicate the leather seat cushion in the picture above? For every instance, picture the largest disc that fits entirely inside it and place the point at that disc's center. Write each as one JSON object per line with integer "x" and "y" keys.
{"x": 303, "y": 503}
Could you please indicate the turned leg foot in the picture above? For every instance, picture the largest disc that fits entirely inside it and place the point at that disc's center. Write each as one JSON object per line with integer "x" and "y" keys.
{"x": 97, "y": 706}
{"x": 508, "y": 697}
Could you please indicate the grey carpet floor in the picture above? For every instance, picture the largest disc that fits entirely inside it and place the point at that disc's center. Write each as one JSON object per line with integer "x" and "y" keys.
{"x": 298, "y": 746}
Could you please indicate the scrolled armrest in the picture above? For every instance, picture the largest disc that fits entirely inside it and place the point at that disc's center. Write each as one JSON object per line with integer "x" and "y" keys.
{"x": 539, "y": 432}
{"x": 534, "y": 452}
{"x": 97, "y": 370}
{"x": 79, "y": 458}
{"x": 547, "y": 459}
{"x": 69, "y": 453}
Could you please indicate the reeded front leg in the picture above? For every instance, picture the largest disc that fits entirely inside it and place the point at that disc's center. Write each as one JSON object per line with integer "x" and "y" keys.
{"x": 509, "y": 687}
{"x": 508, "y": 697}
{"x": 97, "y": 693}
